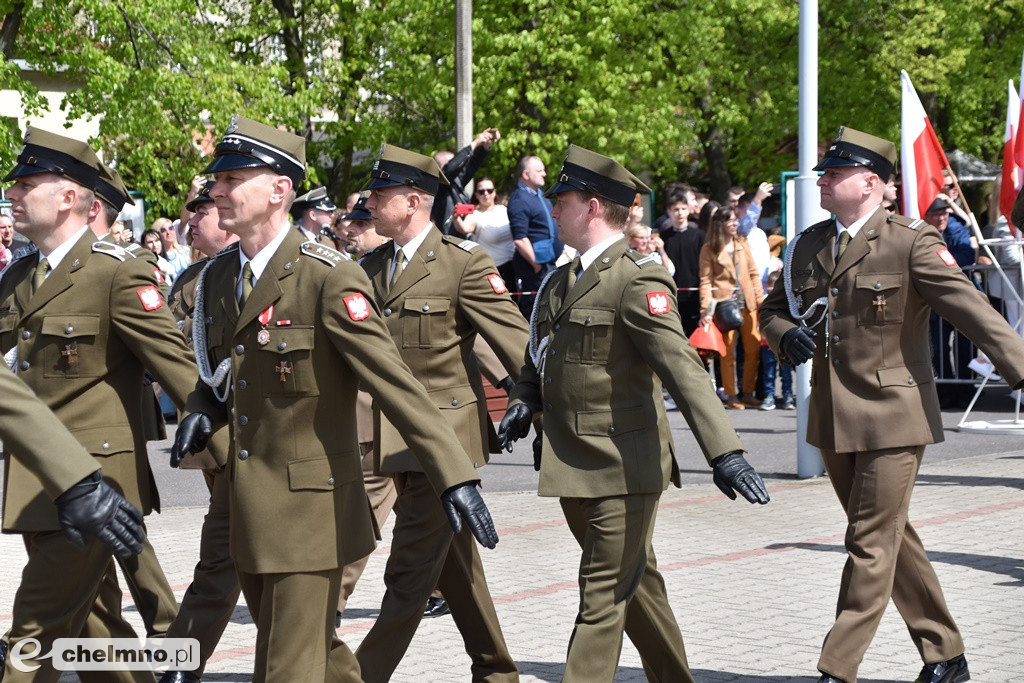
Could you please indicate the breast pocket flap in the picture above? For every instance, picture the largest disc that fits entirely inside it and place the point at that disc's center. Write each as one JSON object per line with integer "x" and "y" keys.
{"x": 70, "y": 326}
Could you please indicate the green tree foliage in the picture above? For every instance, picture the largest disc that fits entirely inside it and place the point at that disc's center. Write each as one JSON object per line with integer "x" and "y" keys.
{"x": 703, "y": 91}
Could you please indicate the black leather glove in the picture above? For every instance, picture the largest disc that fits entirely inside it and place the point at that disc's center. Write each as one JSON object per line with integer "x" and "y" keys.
{"x": 514, "y": 426}
{"x": 92, "y": 507}
{"x": 732, "y": 471}
{"x": 463, "y": 501}
{"x": 538, "y": 447}
{"x": 798, "y": 345}
{"x": 193, "y": 433}
{"x": 507, "y": 384}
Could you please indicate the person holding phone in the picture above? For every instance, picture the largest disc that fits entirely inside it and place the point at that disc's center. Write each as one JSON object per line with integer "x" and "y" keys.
{"x": 487, "y": 224}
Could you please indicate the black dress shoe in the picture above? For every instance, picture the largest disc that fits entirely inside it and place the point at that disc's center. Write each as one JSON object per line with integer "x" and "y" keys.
{"x": 436, "y": 607}
{"x": 950, "y": 671}
{"x": 825, "y": 678}
{"x": 179, "y": 677}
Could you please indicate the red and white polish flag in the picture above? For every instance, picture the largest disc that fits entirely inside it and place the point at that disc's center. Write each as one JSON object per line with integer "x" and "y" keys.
{"x": 922, "y": 158}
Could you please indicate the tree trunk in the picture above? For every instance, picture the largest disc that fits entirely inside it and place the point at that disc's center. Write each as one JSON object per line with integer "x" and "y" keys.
{"x": 9, "y": 30}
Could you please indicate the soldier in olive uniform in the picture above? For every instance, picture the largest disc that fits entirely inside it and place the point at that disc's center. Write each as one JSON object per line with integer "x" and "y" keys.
{"x": 605, "y": 329}
{"x": 864, "y": 283}
{"x": 437, "y": 294}
{"x": 146, "y": 580}
{"x": 85, "y": 503}
{"x": 313, "y": 213}
{"x": 289, "y": 331}
{"x": 210, "y": 599}
{"x": 80, "y": 321}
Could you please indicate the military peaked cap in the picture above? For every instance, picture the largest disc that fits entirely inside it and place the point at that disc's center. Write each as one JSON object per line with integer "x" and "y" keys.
{"x": 854, "y": 148}
{"x": 111, "y": 190}
{"x": 202, "y": 197}
{"x": 314, "y": 199}
{"x": 359, "y": 212}
{"x": 395, "y": 166}
{"x": 587, "y": 171}
{"x": 250, "y": 144}
{"x": 46, "y": 152}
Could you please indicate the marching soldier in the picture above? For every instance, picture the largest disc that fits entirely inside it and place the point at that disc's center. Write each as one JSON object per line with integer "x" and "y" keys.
{"x": 605, "y": 329}
{"x": 437, "y": 294}
{"x": 286, "y": 330}
{"x": 80, "y": 320}
{"x": 858, "y": 289}
{"x": 210, "y": 599}
{"x": 313, "y": 213}
{"x": 85, "y": 503}
{"x": 146, "y": 580}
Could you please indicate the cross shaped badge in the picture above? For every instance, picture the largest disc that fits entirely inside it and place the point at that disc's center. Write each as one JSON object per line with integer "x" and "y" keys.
{"x": 879, "y": 303}
{"x": 284, "y": 369}
{"x": 69, "y": 352}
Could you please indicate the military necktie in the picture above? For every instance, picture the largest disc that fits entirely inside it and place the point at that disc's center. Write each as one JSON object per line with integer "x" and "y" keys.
{"x": 39, "y": 276}
{"x": 574, "y": 272}
{"x": 844, "y": 239}
{"x": 399, "y": 267}
{"x": 246, "y": 283}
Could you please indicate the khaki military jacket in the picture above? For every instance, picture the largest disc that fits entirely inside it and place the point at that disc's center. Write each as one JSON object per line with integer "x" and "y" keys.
{"x": 448, "y": 294}
{"x": 608, "y": 342}
{"x": 41, "y": 443}
{"x": 871, "y": 382}
{"x": 84, "y": 339}
{"x": 297, "y": 496}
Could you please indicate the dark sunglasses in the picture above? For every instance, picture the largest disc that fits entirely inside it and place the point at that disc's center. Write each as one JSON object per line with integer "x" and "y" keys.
{"x": 166, "y": 229}
{"x": 485, "y": 190}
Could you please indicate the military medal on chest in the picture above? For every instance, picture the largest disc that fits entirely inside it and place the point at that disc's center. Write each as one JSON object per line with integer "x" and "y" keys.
{"x": 263, "y": 336}
{"x": 70, "y": 353}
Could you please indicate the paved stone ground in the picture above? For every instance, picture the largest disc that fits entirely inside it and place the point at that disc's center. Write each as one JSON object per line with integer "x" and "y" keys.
{"x": 753, "y": 587}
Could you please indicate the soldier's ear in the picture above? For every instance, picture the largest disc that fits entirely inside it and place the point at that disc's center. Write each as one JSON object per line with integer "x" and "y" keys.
{"x": 281, "y": 191}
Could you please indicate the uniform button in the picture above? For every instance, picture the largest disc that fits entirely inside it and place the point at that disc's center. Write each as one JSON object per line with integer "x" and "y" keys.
{"x": 547, "y": 407}
{"x": 587, "y": 321}
{"x": 330, "y": 481}
{"x": 242, "y": 384}
{"x": 551, "y": 353}
{"x": 243, "y": 454}
{"x": 558, "y": 326}
{"x": 835, "y": 362}
{"x": 239, "y": 349}
{"x": 106, "y": 445}
{"x": 834, "y": 291}
{"x": 387, "y": 311}
{"x": 835, "y": 314}
{"x": 835, "y": 338}
{"x": 547, "y": 380}
{"x": 910, "y": 381}
{"x": 426, "y": 308}
{"x": 878, "y": 285}
{"x": 455, "y": 401}
{"x": 611, "y": 429}
{"x": 243, "y": 420}
{"x": 282, "y": 346}
{"x": 69, "y": 329}
{"x": 25, "y": 365}
{"x": 26, "y": 335}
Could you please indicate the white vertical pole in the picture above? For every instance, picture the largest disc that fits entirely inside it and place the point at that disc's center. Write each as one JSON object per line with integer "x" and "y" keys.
{"x": 808, "y": 462}
{"x": 463, "y": 73}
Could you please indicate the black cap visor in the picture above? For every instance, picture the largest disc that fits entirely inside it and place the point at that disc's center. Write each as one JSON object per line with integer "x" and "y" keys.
{"x": 35, "y": 159}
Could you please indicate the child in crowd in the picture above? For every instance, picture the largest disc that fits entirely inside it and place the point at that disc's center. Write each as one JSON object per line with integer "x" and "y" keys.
{"x": 769, "y": 363}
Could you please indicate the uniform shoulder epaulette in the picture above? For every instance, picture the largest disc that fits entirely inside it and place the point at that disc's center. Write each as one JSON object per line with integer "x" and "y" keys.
{"x": 465, "y": 245}
{"x": 822, "y": 225}
{"x": 641, "y": 260}
{"x": 111, "y": 249}
{"x": 376, "y": 249}
{"x": 912, "y": 223}
{"x": 332, "y": 257}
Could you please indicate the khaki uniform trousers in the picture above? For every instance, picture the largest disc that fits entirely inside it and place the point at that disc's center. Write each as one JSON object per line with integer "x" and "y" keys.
{"x": 621, "y": 589}
{"x": 884, "y": 558}
{"x": 426, "y": 553}
{"x": 150, "y": 590}
{"x": 210, "y": 599}
{"x": 380, "y": 490}
{"x": 60, "y": 586}
{"x": 295, "y": 637}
